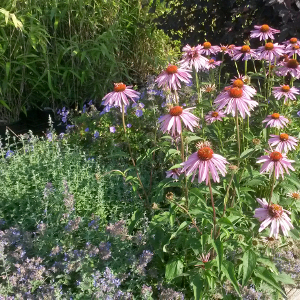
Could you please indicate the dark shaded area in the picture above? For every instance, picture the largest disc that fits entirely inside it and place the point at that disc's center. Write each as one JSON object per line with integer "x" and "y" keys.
{"x": 228, "y": 21}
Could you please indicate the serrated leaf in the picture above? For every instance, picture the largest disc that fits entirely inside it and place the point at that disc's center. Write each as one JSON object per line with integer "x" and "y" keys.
{"x": 284, "y": 278}
{"x": 228, "y": 270}
{"x": 249, "y": 264}
{"x": 268, "y": 277}
{"x": 247, "y": 153}
{"x": 219, "y": 249}
{"x": 198, "y": 285}
{"x": 173, "y": 269}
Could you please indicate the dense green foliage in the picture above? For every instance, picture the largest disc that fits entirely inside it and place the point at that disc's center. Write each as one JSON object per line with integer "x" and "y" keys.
{"x": 55, "y": 53}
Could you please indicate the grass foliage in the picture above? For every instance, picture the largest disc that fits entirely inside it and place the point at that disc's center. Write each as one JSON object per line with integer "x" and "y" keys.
{"x": 56, "y": 53}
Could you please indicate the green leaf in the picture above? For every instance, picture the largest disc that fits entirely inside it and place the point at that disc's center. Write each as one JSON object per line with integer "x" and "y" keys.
{"x": 247, "y": 153}
{"x": 249, "y": 264}
{"x": 135, "y": 217}
{"x": 225, "y": 221}
{"x": 193, "y": 138}
{"x": 4, "y": 104}
{"x": 228, "y": 270}
{"x": 219, "y": 249}
{"x": 173, "y": 269}
{"x": 284, "y": 278}
{"x": 198, "y": 286}
{"x": 268, "y": 277}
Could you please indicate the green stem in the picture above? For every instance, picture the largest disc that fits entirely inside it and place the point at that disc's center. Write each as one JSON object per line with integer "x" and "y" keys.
{"x": 131, "y": 155}
{"x": 246, "y": 62}
{"x": 272, "y": 186}
{"x": 237, "y": 69}
{"x": 238, "y": 135}
{"x": 227, "y": 193}
{"x": 213, "y": 206}
{"x": 185, "y": 179}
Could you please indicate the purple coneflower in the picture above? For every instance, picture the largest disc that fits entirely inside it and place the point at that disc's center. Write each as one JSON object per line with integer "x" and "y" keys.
{"x": 120, "y": 95}
{"x": 295, "y": 49}
{"x": 244, "y": 51}
{"x": 291, "y": 42}
{"x": 290, "y": 66}
{"x": 173, "y": 120}
{"x": 208, "y": 49}
{"x": 213, "y": 116}
{"x": 174, "y": 173}
{"x": 285, "y": 91}
{"x": 212, "y": 63}
{"x": 276, "y": 120}
{"x": 275, "y": 162}
{"x": 236, "y": 100}
{"x": 172, "y": 76}
{"x": 264, "y": 32}
{"x": 205, "y": 162}
{"x": 240, "y": 83}
{"x": 192, "y": 58}
{"x": 275, "y": 215}
{"x": 205, "y": 257}
{"x": 269, "y": 51}
{"x": 283, "y": 141}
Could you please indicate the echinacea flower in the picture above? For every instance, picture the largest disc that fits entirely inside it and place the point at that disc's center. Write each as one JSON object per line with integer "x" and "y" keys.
{"x": 263, "y": 32}
{"x": 285, "y": 91}
{"x": 212, "y": 63}
{"x": 120, "y": 95}
{"x": 275, "y": 215}
{"x": 283, "y": 141}
{"x": 205, "y": 257}
{"x": 295, "y": 195}
{"x": 240, "y": 83}
{"x": 208, "y": 88}
{"x": 192, "y": 58}
{"x": 174, "y": 173}
{"x": 172, "y": 76}
{"x": 269, "y": 51}
{"x": 290, "y": 66}
{"x": 174, "y": 118}
{"x": 236, "y": 100}
{"x": 208, "y": 49}
{"x": 244, "y": 51}
{"x": 291, "y": 42}
{"x": 213, "y": 116}
{"x": 295, "y": 49}
{"x": 276, "y": 120}
{"x": 275, "y": 162}
{"x": 205, "y": 162}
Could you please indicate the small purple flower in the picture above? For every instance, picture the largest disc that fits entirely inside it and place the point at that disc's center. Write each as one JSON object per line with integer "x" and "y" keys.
{"x": 90, "y": 102}
{"x": 84, "y": 109}
{"x": 112, "y": 129}
{"x": 49, "y": 136}
{"x": 96, "y": 134}
{"x": 9, "y": 153}
{"x": 139, "y": 113}
{"x": 298, "y": 113}
{"x": 128, "y": 125}
{"x": 87, "y": 129}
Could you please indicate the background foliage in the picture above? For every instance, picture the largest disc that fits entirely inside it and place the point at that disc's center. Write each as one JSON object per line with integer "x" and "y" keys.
{"x": 226, "y": 21}
{"x": 56, "y": 53}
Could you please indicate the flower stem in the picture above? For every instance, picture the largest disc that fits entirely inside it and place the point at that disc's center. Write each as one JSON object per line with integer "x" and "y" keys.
{"x": 213, "y": 206}
{"x": 272, "y": 186}
{"x": 185, "y": 180}
{"x": 227, "y": 193}
{"x": 237, "y": 69}
{"x": 238, "y": 135}
{"x": 130, "y": 152}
